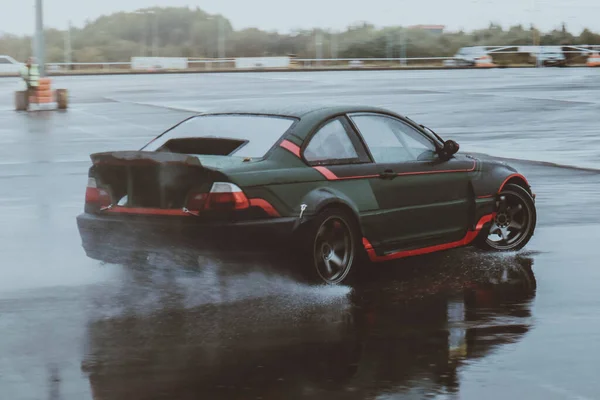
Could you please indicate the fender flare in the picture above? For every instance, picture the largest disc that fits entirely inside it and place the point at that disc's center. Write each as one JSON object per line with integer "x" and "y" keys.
{"x": 516, "y": 178}
{"x": 321, "y": 198}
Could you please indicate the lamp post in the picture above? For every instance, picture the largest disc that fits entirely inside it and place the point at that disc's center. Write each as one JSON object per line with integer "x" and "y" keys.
{"x": 221, "y": 52}
{"x": 319, "y": 47}
{"x": 535, "y": 34}
{"x": 154, "y": 32}
{"x": 68, "y": 50}
{"x": 221, "y": 36}
{"x": 403, "y": 41}
{"x": 39, "y": 44}
{"x": 334, "y": 44}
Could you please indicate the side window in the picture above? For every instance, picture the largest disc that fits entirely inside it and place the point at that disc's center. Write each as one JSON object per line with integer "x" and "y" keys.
{"x": 393, "y": 141}
{"x": 331, "y": 144}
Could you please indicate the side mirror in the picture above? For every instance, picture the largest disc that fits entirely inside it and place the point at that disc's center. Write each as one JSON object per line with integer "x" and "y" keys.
{"x": 450, "y": 148}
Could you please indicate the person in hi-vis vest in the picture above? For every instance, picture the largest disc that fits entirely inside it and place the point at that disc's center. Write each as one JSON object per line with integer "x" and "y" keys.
{"x": 31, "y": 75}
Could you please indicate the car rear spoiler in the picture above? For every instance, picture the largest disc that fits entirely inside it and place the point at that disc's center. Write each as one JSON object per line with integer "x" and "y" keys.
{"x": 143, "y": 158}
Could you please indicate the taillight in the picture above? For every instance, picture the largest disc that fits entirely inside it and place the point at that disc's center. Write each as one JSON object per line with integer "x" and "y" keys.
{"x": 96, "y": 196}
{"x": 196, "y": 201}
{"x": 223, "y": 196}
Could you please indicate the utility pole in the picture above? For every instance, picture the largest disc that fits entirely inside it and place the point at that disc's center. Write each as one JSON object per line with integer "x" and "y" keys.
{"x": 334, "y": 45}
{"x": 144, "y": 34}
{"x": 403, "y": 48}
{"x": 221, "y": 36}
{"x": 534, "y": 31}
{"x": 319, "y": 47}
{"x": 68, "y": 50}
{"x": 146, "y": 28}
{"x": 155, "y": 34}
{"x": 40, "y": 46}
{"x": 540, "y": 50}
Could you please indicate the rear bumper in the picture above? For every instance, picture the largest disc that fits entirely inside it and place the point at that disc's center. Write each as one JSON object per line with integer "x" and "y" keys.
{"x": 110, "y": 238}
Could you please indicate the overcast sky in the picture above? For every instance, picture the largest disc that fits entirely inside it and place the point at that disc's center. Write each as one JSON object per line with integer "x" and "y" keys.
{"x": 17, "y": 16}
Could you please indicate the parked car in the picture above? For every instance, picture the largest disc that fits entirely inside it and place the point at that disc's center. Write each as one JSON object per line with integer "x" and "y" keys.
{"x": 334, "y": 184}
{"x": 9, "y": 65}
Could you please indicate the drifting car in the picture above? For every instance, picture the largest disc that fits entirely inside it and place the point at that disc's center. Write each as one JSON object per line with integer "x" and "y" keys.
{"x": 331, "y": 186}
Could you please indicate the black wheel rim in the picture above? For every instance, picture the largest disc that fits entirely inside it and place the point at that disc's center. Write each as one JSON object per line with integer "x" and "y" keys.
{"x": 333, "y": 250}
{"x": 512, "y": 222}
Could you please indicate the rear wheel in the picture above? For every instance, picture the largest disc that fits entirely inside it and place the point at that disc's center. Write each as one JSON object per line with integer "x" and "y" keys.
{"x": 514, "y": 223}
{"x": 331, "y": 247}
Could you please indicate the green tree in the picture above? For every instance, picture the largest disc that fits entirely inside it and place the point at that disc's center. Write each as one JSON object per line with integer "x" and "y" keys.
{"x": 192, "y": 32}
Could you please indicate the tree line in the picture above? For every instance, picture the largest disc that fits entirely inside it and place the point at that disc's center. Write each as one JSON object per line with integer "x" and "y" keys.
{"x": 191, "y": 32}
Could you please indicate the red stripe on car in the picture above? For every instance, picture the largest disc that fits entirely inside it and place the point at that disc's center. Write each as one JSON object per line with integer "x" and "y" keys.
{"x": 261, "y": 203}
{"x": 327, "y": 173}
{"x": 469, "y": 237}
{"x": 147, "y": 211}
{"x": 266, "y": 206}
{"x": 291, "y": 147}
{"x": 330, "y": 175}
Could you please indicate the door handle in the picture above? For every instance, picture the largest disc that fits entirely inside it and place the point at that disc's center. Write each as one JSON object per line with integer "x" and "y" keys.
{"x": 388, "y": 174}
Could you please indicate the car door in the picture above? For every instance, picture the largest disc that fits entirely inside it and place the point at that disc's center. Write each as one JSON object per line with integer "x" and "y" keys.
{"x": 336, "y": 151}
{"x": 424, "y": 200}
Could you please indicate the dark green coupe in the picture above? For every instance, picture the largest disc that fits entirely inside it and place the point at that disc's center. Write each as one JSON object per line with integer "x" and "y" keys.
{"x": 334, "y": 185}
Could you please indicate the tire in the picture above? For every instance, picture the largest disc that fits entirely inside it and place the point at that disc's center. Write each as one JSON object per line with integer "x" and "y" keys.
{"x": 515, "y": 221}
{"x": 331, "y": 250}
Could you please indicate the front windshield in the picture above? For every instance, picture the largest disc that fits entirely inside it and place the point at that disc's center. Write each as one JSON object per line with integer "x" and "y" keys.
{"x": 260, "y": 132}
{"x": 435, "y": 135}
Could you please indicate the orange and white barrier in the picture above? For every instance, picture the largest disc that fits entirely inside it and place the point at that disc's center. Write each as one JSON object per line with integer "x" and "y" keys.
{"x": 43, "y": 93}
{"x": 593, "y": 60}
{"x": 484, "y": 62}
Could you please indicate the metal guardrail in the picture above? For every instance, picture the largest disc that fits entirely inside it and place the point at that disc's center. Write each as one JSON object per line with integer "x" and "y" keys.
{"x": 92, "y": 63}
{"x": 374, "y": 59}
{"x": 195, "y": 63}
{"x": 226, "y": 61}
{"x": 296, "y": 63}
{"x": 209, "y": 64}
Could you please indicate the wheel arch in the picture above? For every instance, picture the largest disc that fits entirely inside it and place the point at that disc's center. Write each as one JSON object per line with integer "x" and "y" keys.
{"x": 326, "y": 198}
{"x": 516, "y": 179}
{"x": 340, "y": 205}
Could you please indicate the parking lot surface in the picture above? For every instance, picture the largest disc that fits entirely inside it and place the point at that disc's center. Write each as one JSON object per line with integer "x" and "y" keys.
{"x": 460, "y": 324}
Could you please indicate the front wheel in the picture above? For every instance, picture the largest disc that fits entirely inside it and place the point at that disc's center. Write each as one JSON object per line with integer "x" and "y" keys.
{"x": 331, "y": 247}
{"x": 514, "y": 223}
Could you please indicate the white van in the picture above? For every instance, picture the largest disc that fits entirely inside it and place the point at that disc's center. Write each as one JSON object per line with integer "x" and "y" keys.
{"x": 9, "y": 65}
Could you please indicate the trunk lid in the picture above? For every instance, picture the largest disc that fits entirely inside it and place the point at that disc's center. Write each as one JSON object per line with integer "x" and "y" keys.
{"x": 144, "y": 179}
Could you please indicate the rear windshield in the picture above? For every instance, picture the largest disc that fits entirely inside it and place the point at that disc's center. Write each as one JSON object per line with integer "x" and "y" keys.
{"x": 258, "y": 133}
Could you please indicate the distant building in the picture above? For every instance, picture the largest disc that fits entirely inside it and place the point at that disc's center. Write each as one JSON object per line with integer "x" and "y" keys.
{"x": 438, "y": 29}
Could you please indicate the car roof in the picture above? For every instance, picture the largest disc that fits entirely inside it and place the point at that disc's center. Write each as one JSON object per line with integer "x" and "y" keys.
{"x": 297, "y": 110}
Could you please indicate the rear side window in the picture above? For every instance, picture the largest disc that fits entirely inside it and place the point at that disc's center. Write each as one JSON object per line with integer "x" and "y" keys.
{"x": 331, "y": 144}
{"x": 233, "y": 135}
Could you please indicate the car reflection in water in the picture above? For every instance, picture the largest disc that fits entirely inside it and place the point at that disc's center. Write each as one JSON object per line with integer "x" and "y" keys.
{"x": 405, "y": 330}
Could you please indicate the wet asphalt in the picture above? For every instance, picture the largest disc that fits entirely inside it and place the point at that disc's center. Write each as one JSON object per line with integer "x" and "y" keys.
{"x": 176, "y": 325}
